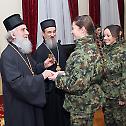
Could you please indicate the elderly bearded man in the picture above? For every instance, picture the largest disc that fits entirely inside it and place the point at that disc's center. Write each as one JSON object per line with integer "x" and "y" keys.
{"x": 23, "y": 90}
{"x": 54, "y": 113}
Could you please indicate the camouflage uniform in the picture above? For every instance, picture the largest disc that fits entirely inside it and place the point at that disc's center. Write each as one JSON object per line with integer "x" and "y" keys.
{"x": 114, "y": 84}
{"x": 83, "y": 96}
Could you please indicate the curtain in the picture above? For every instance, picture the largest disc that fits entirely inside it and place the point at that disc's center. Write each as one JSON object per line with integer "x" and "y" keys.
{"x": 30, "y": 17}
{"x": 48, "y": 9}
{"x": 73, "y": 7}
{"x": 109, "y": 12}
{"x": 94, "y": 11}
{"x": 121, "y": 12}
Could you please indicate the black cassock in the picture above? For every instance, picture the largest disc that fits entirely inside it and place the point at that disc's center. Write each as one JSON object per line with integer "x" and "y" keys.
{"x": 24, "y": 94}
{"x": 54, "y": 113}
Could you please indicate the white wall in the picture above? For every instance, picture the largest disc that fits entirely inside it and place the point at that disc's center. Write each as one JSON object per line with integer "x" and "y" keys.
{"x": 7, "y": 7}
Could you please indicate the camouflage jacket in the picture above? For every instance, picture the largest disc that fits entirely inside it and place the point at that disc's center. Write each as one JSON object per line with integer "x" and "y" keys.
{"x": 82, "y": 96}
{"x": 114, "y": 83}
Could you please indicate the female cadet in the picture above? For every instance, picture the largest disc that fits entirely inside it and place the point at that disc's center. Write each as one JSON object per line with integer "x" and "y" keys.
{"x": 114, "y": 83}
{"x": 83, "y": 96}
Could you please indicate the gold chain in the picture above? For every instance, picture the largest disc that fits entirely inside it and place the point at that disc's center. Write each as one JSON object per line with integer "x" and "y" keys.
{"x": 58, "y": 68}
{"x": 28, "y": 64}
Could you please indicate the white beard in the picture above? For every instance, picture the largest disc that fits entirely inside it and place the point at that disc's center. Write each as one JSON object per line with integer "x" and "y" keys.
{"x": 51, "y": 43}
{"x": 24, "y": 45}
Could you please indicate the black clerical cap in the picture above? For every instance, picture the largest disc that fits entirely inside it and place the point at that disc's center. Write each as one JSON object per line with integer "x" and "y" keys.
{"x": 12, "y": 22}
{"x": 47, "y": 23}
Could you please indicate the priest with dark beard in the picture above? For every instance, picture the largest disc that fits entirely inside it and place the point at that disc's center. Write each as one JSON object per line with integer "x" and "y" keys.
{"x": 54, "y": 113}
{"x": 23, "y": 90}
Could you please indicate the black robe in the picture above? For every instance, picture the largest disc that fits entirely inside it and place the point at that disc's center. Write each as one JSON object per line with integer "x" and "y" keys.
{"x": 24, "y": 94}
{"x": 54, "y": 113}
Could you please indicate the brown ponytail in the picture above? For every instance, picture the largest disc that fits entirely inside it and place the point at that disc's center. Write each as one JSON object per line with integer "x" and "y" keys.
{"x": 100, "y": 51}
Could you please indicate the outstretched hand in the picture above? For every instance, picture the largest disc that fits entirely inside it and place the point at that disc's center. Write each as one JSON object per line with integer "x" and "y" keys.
{"x": 49, "y": 62}
{"x": 54, "y": 76}
{"x": 48, "y": 73}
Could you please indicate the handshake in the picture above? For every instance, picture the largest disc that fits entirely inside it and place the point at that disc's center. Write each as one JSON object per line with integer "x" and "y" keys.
{"x": 51, "y": 75}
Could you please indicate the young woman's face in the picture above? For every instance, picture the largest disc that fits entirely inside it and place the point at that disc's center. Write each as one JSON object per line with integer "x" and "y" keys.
{"x": 98, "y": 31}
{"x": 77, "y": 32}
{"x": 108, "y": 38}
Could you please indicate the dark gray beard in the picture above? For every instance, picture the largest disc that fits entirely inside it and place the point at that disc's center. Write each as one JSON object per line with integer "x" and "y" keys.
{"x": 51, "y": 43}
{"x": 25, "y": 46}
